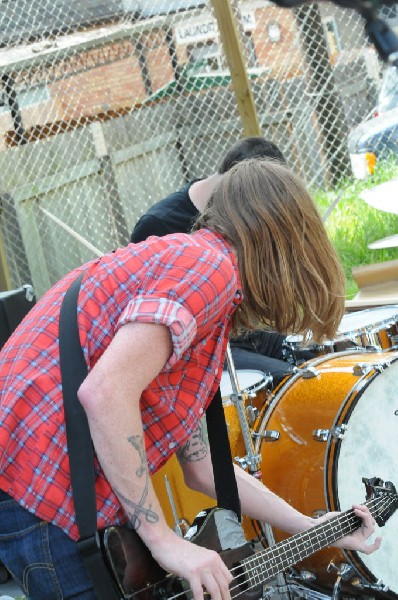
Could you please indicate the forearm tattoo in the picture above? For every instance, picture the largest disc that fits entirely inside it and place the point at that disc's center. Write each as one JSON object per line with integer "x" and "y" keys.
{"x": 196, "y": 447}
{"x": 137, "y": 509}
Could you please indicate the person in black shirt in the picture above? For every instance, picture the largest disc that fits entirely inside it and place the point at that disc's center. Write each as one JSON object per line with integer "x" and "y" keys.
{"x": 263, "y": 351}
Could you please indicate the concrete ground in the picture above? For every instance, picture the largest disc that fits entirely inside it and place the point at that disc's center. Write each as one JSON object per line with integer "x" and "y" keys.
{"x": 10, "y": 590}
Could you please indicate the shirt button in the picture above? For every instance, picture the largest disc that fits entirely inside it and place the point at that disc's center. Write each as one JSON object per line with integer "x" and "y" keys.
{"x": 172, "y": 445}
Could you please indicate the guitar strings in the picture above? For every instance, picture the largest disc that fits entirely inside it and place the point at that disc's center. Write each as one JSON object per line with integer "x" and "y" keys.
{"x": 347, "y": 518}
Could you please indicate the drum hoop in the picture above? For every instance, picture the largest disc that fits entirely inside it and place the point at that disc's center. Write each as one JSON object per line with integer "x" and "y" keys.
{"x": 330, "y": 466}
{"x": 255, "y": 387}
{"x": 373, "y": 328}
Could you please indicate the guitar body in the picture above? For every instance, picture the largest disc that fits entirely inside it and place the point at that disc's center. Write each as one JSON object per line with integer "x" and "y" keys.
{"x": 141, "y": 578}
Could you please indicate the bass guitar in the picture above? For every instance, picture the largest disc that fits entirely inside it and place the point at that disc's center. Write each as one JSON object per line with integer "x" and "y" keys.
{"x": 139, "y": 577}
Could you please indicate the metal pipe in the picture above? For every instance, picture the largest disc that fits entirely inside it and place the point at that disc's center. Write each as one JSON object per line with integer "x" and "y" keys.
{"x": 251, "y": 460}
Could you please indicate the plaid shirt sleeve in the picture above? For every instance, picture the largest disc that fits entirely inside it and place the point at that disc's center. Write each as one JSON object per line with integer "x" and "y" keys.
{"x": 163, "y": 311}
{"x": 188, "y": 291}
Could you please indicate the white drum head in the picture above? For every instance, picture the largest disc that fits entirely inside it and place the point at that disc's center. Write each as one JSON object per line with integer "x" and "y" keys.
{"x": 370, "y": 449}
{"x": 247, "y": 379}
{"x": 371, "y": 318}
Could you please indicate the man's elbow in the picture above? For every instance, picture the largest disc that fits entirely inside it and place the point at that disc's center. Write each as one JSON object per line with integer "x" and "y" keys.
{"x": 199, "y": 480}
{"x": 89, "y": 396}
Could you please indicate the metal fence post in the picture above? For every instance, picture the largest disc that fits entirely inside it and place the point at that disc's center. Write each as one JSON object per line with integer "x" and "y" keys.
{"x": 235, "y": 57}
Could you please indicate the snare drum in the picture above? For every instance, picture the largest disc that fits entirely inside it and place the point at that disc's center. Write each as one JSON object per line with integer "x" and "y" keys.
{"x": 185, "y": 504}
{"x": 254, "y": 385}
{"x": 338, "y": 422}
{"x": 374, "y": 329}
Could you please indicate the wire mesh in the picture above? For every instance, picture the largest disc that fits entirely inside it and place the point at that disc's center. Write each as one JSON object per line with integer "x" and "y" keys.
{"x": 106, "y": 107}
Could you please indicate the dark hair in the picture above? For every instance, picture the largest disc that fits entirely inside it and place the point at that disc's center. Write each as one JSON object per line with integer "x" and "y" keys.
{"x": 250, "y": 147}
{"x": 291, "y": 276}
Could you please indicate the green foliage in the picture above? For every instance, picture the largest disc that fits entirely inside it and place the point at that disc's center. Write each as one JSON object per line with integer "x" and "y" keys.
{"x": 352, "y": 224}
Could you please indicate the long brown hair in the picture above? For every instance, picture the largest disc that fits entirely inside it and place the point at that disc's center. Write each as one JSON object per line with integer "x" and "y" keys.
{"x": 291, "y": 276}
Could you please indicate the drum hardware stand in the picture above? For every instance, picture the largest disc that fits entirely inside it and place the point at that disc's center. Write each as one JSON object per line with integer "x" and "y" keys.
{"x": 344, "y": 573}
{"x": 180, "y": 525}
{"x": 251, "y": 460}
{"x": 300, "y": 591}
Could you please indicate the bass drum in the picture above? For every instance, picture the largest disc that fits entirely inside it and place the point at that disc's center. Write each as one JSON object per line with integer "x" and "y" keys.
{"x": 338, "y": 422}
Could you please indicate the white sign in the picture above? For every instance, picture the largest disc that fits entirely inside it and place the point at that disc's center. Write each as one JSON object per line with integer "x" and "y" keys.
{"x": 205, "y": 29}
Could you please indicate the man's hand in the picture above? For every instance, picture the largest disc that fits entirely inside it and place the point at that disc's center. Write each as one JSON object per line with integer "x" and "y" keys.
{"x": 204, "y": 569}
{"x": 357, "y": 540}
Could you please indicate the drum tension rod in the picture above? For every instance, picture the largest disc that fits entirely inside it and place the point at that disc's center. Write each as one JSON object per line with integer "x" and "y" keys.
{"x": 269, "y": 435}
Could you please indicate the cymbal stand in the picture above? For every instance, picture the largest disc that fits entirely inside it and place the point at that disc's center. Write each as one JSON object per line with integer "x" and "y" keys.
{"x": 251, "y": 460}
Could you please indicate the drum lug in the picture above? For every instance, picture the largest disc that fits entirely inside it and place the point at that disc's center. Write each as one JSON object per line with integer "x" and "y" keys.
{"x": 251, "y": 413}
{"x": 269, "y": 435}
{"x": 306, "y": 576}
{"x": 360, "y": 584}
{"x": 321, "y": 435}
{"x": 309, "y": 373}
{"x": 362, "y": 368}
{"x": 394, "y": 340}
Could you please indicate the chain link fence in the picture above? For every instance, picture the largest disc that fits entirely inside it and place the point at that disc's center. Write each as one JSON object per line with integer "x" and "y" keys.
{"x": 106, "y": 107}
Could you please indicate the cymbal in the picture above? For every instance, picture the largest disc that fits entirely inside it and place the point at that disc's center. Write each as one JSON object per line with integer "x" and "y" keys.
{"x": 391, "y": 241}
{"x": 383, "y": 196}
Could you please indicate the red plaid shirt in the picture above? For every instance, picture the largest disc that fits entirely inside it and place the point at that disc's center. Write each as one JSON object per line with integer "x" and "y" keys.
{"x": 189, "y": 283}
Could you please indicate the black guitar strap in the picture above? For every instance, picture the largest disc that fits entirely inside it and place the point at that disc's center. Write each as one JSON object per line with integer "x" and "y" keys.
{"x": 81, "y": 451}
{"x": 220, "y": 450}
{"x": 80, "y": 447}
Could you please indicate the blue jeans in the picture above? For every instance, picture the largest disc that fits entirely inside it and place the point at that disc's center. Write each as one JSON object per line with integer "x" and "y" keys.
{"x": 42, "y": 559}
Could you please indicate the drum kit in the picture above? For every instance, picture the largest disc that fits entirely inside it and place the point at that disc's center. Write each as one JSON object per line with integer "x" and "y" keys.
{"x": 311, "y": 440}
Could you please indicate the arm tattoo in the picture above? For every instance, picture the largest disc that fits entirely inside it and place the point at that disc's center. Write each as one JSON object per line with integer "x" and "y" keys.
{"x": 196, "y": 447}
{"x": 137, "y": 509}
